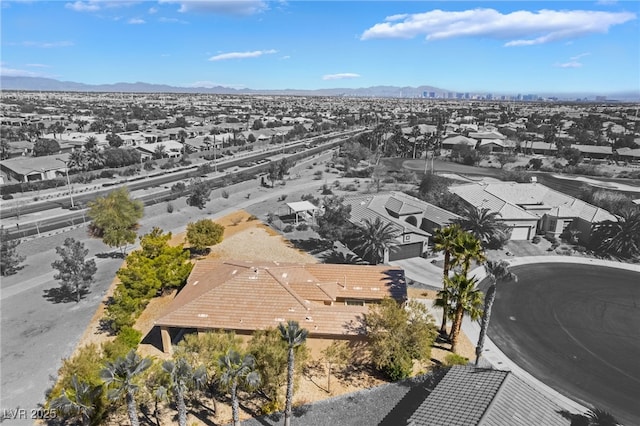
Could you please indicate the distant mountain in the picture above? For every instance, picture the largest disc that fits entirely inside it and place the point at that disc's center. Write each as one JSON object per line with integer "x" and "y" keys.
{"x": 49, "y": 84}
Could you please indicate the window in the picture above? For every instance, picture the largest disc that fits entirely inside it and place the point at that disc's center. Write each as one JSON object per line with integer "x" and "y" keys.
{"x": 354, "y": 302}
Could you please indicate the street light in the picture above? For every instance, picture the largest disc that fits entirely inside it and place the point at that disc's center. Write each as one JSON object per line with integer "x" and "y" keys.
{"x": 66, "y": 169}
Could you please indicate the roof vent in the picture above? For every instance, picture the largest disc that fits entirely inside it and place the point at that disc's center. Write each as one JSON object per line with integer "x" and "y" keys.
{"x": 309, "y": 319}
{"x": 284, "y": 275}
{"x": 375, "y": 288}
{"x": 203, "y": 315}
{"x": 196, "y": 282}
{"x": 279, "y": 319}
{"x": 291, "y": 310}
{"x": 234, "y": 272}
{"x": 357, "y": 287}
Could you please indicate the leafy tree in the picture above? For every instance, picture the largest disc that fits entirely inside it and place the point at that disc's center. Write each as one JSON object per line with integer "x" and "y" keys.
{"x": 120, "y": 377}
{"x": 375, "y": 238}
{"x": 183, "y": 377}
{"x": 337, "y": 353}
{"x": 271, "y": 353}
{"x": 399, "y": 334}
{"x": 74, "y": 272}
{"x": 484, "y": 225}
{"x": 206, "y": 348}
{"x": 619, "y": 238}
{"x": 294, "y": 336}
{"x": 10, "y": 259}
{"x": 535, "y": 163}
{"x": 237, "y": 370}
{"x": 199, "y": 193}
{"x": 204, "y": 233}
{"x": 505, "y": 158}
{"x": 497, "y": 271}
{"x": 115, "y": 218}
{"x": 572, "y": 155}
{"x": 114, "y": 140}
{"x": 251, "y": 138}
{"x": 464, "y": 298}
{"x": 79, "y": 402}
{"x": 333, "y": 223}
{"x": 257, "y": 124}
{"x": 45, "y": 147}
{"x": 444, "y": 240}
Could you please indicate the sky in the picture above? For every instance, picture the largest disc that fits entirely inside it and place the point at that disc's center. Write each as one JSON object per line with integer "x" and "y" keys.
{"x": 482, "y": 46}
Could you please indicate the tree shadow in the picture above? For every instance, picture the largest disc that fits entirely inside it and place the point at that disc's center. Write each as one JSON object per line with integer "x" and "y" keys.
{"x": 197, "y": 253}
{"x": 63, "y": 294}
{"x": 312, "y": 245}
{"x": 111, "y": 255}
{"x": 339, "y": 258}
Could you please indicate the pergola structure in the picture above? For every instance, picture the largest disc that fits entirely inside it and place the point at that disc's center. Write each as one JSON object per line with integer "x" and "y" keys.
{"x": 304, "y": 207}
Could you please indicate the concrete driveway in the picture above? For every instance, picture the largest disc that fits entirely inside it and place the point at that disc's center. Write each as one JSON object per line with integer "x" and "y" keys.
{"x": 421, "y": 271}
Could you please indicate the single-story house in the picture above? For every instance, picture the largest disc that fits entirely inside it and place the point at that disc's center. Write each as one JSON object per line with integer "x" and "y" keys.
{"x": 493, "y": 134}
{"x": 594, "y": 151}
{"x": 528, "y": 208}
{"x": 240, "y": 296}
{"x": 628, "y": 154}
{"x": 458, "y": 140}
{"x": 413, "y": 219}
{"x": 538, "y": 147}
{"x": 28, "y": 169}
{"x": 470, "y": 396}
{"x": 172, "y": 149}
{"x": 497, "y": 145}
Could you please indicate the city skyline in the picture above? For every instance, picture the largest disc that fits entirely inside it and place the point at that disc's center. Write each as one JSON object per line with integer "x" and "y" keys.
{"x": 493, "y": 47}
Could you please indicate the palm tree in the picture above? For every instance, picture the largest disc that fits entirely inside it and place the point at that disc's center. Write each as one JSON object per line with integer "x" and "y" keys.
{"x": 464, "y": 299}
{"x": 375, "y": 238}
{"x": 120, "y": 375}
{"x": 482, "y": 223}
{"x": 468, "y": 248}
{"x": 79, "y": 402}
{"x": 619, "y": 237}
{"x": 78, "y": 160}
{"x": 294, "y": 336}
{"x": 598, "y": 417}
{"x": 444, "y": 241}
{"x": 497, "y": 271}
{"x": 182, "y": 377}
{"x": 237, "y": 370}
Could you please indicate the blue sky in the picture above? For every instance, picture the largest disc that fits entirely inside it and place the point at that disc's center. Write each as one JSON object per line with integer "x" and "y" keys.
{"x": 499, "y": 47}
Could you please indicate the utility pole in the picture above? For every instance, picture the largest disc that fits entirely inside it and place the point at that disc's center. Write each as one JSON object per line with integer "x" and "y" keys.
{"x": 66, "y": 169}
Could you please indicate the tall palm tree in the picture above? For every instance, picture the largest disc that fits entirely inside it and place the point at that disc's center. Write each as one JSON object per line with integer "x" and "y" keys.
{"x": 78, "y": 160}
{"x": 120, "y": 375}
{"x": 183, "y": 377}
{"x": 444, "y": 241}
{"x": 467, "y": 248}
{"x": 79, "y": 402}
{"x": 237, "y": 370}
{"x": 497, "y": 271}
{"x": 621, "y": 237}
{"x": 598, "y": 417}
{"x": 464, "y": 299}
{"x": 483, "y": 223}
{"x": 375, "y": 238}
{"x": 294, "y": 336}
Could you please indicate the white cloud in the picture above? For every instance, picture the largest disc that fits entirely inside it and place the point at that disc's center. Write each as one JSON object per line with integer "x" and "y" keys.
{"x": 573, "y": 62}
{"x": 43, "y": 44}
{"x": 520, "y": 28}
{"x": 153, "y": 10}
{"x": 38, "y": 65}
{"x": 241, "y": 55}
{"x": 172, "y": 20}
{"x": 340, "y": 76}
{"x": 136, "y": 21}
{"x": 11, "y": 72}
{"x": 221, "y": 7}
{"x": 96, "y": 5}
{"x": 582, "y": 55}
{"x": 286, "y": 57}
{"x": 606, "y": 2}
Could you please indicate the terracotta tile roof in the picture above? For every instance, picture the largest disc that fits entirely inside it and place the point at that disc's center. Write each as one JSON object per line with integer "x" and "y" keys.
{"x": 238, "y": 295}
{"x": 469, "y": 396}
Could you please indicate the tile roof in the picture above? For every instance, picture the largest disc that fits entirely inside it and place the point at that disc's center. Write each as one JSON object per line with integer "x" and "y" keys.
{"x": 244, "y": 296}
{"x": 469, "y": 396}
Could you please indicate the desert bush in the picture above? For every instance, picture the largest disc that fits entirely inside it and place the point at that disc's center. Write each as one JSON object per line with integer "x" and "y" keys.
{"x": 225, "y": 194}
{"x": 455, "y": 359}
{"x": 326, "y": 190}
{"x": 169, "y": 208}
{"x": 317, "y": 175}
{"x": 288, "y": 228}
{"x": 350, "y": 187}
{"x": 252, "y": 217}
{"x": 302, "y": 227}
{"x": 536, "y": 239}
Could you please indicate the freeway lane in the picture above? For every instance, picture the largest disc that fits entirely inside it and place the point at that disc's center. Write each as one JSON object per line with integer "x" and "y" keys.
{"x": 577, "y": 329}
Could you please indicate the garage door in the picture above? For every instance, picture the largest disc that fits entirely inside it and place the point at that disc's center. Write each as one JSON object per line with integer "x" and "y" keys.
{"x": 520, "y": 233}
{"x": 405, "y": 251}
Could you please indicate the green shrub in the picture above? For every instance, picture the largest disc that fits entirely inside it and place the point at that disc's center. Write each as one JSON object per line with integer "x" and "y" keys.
{"x": 288, "y": 228}
{"x": 169, "y": 208}
{"x": 225, "y": 194}
{"x": 399, "y": 369}
{"x": 536, "y": 239}
{"x": 129, "y": 336}
{"x": 302, "y": 227}
{"x": 455, "y": 359}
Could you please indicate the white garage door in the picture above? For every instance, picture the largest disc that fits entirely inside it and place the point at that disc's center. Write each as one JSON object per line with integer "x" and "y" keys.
{"x": 520, "y": 232}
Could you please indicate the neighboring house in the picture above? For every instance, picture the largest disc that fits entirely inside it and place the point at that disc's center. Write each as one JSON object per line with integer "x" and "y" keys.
{"x": 413, "y": 219}
{"x": 493, "y": 134}
{"x": 458, "y": 140}
{"x": 20, "y": 148}
{"x": 594, "y": 151}
{"x": 628, "y": 154}
{"x": 132, "y": 138}
{"x": 172, "y": 149}
{"x": 543, "y": 148}
{"x": 528, "y": 208}
{"x": 328, "y": 300}
{"x": 497, "y": 145}
{"x": 28, "y": 169}
{"x": 469, "y": 396}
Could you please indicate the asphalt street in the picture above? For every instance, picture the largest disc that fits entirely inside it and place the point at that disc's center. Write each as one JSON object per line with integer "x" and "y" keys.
{"x": 577, "y": 329}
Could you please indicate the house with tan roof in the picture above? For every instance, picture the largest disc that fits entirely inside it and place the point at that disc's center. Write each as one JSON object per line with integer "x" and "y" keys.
{"x": 413, "y": 219}
{"x": 531, "y": 207}
{"x": 328, "y": 300}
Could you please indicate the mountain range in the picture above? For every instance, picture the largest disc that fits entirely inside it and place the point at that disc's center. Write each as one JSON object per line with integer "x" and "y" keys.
{"x": 52, "y": 85}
